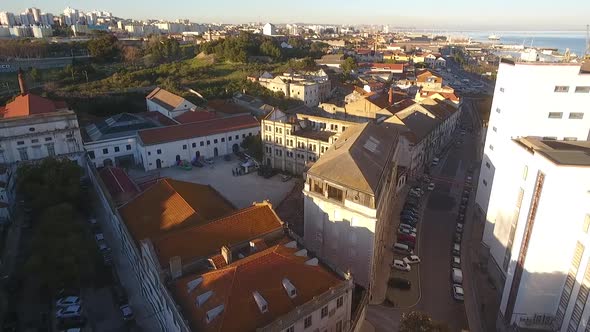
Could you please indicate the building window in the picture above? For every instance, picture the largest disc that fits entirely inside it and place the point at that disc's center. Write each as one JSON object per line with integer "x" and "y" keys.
{"x": 307, "y": 322}
{"x": 561, "y": 88}
{"x": 586, "y": 223}
{"x": 339, "y": 326}
{"x": 159, "y": 151}
{"x": 222, "y": 139}
{"x": 549, "y": 138}
{"x": 488, "y": 165}
{"x": 237, "y": 136}
{"x": 501, "y": 89}
{"x": 47, "y": 139}
{"x": 149, "y": 153}
{"x": 525, "y": 172}
{"x": 485, "y": 183}
{"x": 324, "y": 311}
{"x": 249, "y": 134}
{"x": 208, "y": 142}
{"x": 491, "y": 147}
{"x": 194, "y": 145}
{"x": 20, "y": 143}
{"x": 570, "y": 138}
{"x": 290, "y": 329}
{"x": 335, "y": 193}
{"x": 51, "y": 150}
{"x": 229, "y": 138}
{"x": 105, "y": 151}
{"x": 32, "y": 129}
{"x": 23, "y": 153}
{"x": 582, "y": 89}
{"x": 184, "y": 146}
{"x": 128, "y": 147}
{"x": 495, "y": 129}
{"x": 576, "y": 115}
{"x": 498, "y": 110}
{"x": 91, "y": 154}
{"x": 339, "y": 302}
{"x": 243, "y": 135}
{"x": 34, "y": 141}
{"x": 215, "y": 141}
{"x": 555, "y": 115}
{"x": 116, "y": 149}
{"x": 570, "y": 282}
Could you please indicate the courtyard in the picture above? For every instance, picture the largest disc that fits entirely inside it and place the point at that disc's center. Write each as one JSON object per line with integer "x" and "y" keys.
{"x": 241, "y": 190}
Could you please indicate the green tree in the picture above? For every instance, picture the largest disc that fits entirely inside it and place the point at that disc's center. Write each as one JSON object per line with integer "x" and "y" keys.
{"x": 62, "y": 255}
{"x": 253, "y": 146}
{"x": 270, "y": 49}
{"x": 349, "y": 65}
{"x": 35, "y": 75}
{"x": 104, "y": 48}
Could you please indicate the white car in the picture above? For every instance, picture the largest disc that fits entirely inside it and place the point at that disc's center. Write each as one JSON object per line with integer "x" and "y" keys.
{"x": 458, "y": 292}
{"x": 401, "y": 265}
{"x": 69, "y": 312}
{"x": 456, "y": 262}
{"x": 412, "y": 259}
{"x": 435, "y": 161}
{"x": 406, "y": 232}
{"x": 431, "y": 186}
{"x": 67, "y": 301}
{"x": 459, "y": 228}
{"x": 408, "y": 227}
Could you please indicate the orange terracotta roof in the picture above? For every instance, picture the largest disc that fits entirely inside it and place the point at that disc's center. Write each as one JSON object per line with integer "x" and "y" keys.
{"x": 171, "y": 204}
{"x": 227, "y": 107}
{"x": 197, "y": 129}
{"x": 166, "y": 99}
{"x": 388, "y": 66}
{"x": 30, "y": 104}
{"x": 262, "y": 272}
{"x": 203, "y": 240}
{"x": 196, "y": 116}
{"x": 218, "y": 261}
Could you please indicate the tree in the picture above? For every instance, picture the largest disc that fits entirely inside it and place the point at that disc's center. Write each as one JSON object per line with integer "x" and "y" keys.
{"x": 415, "y": 321}
{"x": 349, "y": 65}
{"x": 131, "y": 54}
{"x": 270, "y": 49}
{"x": 62, "y": 255}
{"x": 104, "y": 48}
{"x": 35, "y": 75}
{"x": 253, "y": 145}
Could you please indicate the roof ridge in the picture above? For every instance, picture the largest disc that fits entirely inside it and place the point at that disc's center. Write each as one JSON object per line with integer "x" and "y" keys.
{"x": 179, "y": 195}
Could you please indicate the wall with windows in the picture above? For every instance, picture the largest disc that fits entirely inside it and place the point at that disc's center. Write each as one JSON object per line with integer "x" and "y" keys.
{"x": 109, "y": 152}
{"x": 38, "y": 137}
{"x": 165, "y": 154}
{"x": 532, "y": 240}
{"x": 533, "y": 99}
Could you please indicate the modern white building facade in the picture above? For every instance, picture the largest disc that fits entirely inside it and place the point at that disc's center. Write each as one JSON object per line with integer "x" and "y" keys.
{"x": 532, "y": 99}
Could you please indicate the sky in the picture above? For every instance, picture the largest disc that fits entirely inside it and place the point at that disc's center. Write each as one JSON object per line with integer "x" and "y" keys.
{"x": 425, "y": 14}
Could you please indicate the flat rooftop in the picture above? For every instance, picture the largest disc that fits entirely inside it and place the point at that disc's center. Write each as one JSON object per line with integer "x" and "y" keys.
{"x": 321, "y": 135}
{"x": 566, "y": 153}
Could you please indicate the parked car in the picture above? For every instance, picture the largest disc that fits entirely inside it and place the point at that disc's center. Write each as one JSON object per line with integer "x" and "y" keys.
{"x": 431, "y": 186}
{"x": 456, "y": 262}
{"x": 67, "y": 301}
{"x": 69, "y": 312}
{"x": 411, "y": 223}
{"x": 402, "y": 248}
{"x": 458, "y": 292}
{"x": 461, "y": 218}
{"x": 93, "y": 222}
{"x": 457, "y": 276}
{"x": 126, "y": 312}
{"x": 71, "y": 323}
{"x": 408, "y": 227}
{"x": 435, "y": 161}
{"x": 459, "y": 228}
{"x": 410, "y": 208}
{"x": 286, "y": 177}
{"x": 456, "y": 249}
{"x": 457, "y": 238}
{"x": 408, "y": 214}
{"x": 410, "y": 244}
{"x": 412, "y": 259}
{"x": 406, "y": 238}
{"x": 399, "y": 283}
{"x": 401, "y": 265}
{"x": 403, "y": 231}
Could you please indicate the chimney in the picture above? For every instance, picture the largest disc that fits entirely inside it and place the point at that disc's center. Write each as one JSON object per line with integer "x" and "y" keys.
{"x": 391, "y": 95}
{"x": 21, "y": 82}
{"x": 227, "y": 255}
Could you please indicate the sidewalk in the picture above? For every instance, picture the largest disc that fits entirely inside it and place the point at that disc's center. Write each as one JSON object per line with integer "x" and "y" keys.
{"x": 144, "y": 315}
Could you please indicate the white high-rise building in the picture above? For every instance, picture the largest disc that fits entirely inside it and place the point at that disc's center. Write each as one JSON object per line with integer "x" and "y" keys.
{"x": 7, "y": 18}
{"x": 36, "y": 13}
{"x": 532, "y": 99}
{"x": 539, "y": 237}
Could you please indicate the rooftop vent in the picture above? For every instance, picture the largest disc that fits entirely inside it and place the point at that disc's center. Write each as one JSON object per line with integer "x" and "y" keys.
{"x": 191, "y": 285}
{"x": 213, "y": 313}
{"x": 260, "y": 301}
{"x": 292, "y": 244}
{"x": 291, "y": 290}
{"x": 301, "y": 253}
{"x": 312, "y": 262}
{"x": 201, "y": 299}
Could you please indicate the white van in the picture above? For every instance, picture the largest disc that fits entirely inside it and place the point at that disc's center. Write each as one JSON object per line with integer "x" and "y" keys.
{"x": 457, "y": 276}
{"x": 402, "y": 248}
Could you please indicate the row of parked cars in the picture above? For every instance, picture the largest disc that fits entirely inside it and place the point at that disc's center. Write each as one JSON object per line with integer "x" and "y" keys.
{"x": 456, "y": 272}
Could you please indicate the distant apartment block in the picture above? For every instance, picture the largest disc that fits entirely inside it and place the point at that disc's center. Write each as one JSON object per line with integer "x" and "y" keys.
{"x": 312, "y": 88}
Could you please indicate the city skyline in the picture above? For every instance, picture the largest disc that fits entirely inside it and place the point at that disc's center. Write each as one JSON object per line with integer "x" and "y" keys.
{"x": 460, "y": 15}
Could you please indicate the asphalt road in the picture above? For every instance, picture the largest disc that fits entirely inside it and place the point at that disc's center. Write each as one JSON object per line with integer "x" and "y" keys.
{"x": 438, "y": 227}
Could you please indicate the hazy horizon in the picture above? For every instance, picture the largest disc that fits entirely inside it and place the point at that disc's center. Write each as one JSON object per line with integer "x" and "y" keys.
{"x": 453, "y": 15}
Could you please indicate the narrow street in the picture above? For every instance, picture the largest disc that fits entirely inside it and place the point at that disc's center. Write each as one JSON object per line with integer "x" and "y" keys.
{"x": 437, "y": 229}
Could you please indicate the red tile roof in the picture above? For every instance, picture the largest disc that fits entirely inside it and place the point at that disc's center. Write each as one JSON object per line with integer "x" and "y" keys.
{"x": 196, "y": 116}
{"x": 388, "y": 66}
{"x": 118, "y": 183}
{"x": 227, "y": 107}
{"x": 166, "y": 99}
{"x": 30, "y": 104}
{"x": 171, "y": 204}
{"x": 234, "y": 285}
{"x": 197, "y": 129}
{"x": 206, "y": 239}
